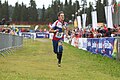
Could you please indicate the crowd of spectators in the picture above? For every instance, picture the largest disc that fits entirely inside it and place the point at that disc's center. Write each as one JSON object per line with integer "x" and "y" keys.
{"x": 102, "y": 31}
{"x": 5, "y": 27}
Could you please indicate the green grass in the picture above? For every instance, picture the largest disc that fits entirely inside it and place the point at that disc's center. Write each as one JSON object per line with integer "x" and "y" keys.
{"x": 36, "y": 61}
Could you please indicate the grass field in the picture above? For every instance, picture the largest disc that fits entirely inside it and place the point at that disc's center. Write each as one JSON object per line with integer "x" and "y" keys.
{"x": 36, "y": 61}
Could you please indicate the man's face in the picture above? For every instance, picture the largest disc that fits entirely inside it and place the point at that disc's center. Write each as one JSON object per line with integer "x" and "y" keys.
{"x": 61, "y": 17}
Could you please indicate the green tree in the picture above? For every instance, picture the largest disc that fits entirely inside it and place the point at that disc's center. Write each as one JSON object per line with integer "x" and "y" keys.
{"x": 15, "y": 15}
{"x": 49, "y": 16}
{"x": 68, "y": 10}
{"x": 24, "y": 13}
{"x": 33, "y": 14}
{"x": 89, "y": 16}
{"x": 77, "y": 5}
{"x": 0, "y": 10}
{"x": 70, "y": 2}
{"x": 43, "y": 14}
{"x": 5, "y": 11}
{"x": 105, "y": 2}
{"x": 100, "y": 12}
{"x": 66, "y": 3}
{"x": 74, "y": 7}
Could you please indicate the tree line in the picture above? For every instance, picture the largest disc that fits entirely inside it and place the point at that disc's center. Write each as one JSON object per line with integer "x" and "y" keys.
{"x": 21, "y": 13}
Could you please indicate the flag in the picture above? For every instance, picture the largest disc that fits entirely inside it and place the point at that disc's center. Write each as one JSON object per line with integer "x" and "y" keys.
{"x": 36, "y": 27}
{"x": 75, "y": 23}
{"x": 79, "y": 22}
{"x": 118, "y": 4}
{"x": 108, "y": 15}
{"x": 50, "y": 25}
{"x": 114, "y": 7}
{"x": 94, "y": 19}
{"x": 84, "y": 16}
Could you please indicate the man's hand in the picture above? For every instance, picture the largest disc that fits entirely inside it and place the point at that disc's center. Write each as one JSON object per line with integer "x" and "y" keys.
{"x": 63, "y": 28}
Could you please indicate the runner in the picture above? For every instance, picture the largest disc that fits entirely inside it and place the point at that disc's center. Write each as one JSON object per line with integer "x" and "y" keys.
{"x": 58, "y": 28}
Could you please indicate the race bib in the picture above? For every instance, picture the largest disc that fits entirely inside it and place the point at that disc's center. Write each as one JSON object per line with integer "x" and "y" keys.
{"x": 59, "y": 35}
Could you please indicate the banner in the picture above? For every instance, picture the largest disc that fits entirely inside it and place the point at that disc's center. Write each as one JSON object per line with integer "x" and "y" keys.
{"x": 35, "y": 35}
{"x": 89, "y": 44}
{"x": 26, "y": 35}
{"x": 36, "y": 27}
{"x": 104, "y": 46}
{"x": 75, "y": 23}
{"x": 79, "y": 22}
{"x": 95, "y": 45}
{"x": 75, "y": 41}
{"x": 94, "y": 20}
{"x": 42, "y": 35}
{"x": 109, "y": 44}
{"x": 108, "y": 15}
{"x": 84, "y": 20}
{"x": 82, "y": 44}
{"x": 101, "y": 47}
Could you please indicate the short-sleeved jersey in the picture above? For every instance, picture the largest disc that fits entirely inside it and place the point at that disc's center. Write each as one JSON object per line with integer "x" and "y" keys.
{"x": 57, "y": 25}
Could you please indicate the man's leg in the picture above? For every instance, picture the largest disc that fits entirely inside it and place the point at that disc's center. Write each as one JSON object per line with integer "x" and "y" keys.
{"x": 55, "y": 45}
{"x": 55, "y": 48}
{"x": 60, "y": 50}
{"x": 59, "y": 56}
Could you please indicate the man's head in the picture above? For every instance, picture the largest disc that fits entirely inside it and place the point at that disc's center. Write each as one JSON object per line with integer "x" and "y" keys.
{"x": 61, "y": 15}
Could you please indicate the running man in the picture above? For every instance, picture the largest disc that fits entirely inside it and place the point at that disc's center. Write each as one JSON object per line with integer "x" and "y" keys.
{"x": 58, "y": 28}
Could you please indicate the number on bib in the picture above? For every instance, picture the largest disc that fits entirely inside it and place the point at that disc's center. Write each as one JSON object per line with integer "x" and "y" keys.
{"x": 59, "y": 35}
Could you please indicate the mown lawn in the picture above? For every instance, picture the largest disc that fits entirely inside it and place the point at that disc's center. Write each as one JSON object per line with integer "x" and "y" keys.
{"x": 36, "y": 61}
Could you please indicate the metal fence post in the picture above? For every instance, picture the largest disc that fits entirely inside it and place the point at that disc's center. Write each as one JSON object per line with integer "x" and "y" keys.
{"x": 118, "y": 49}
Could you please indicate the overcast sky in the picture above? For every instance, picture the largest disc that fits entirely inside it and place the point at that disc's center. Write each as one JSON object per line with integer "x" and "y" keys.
{"x": 39, "y": 2}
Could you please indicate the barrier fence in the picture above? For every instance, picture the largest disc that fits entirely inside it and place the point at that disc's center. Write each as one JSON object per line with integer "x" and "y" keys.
{"x": 118, "y": 49}
{"x": 8, "y": 41}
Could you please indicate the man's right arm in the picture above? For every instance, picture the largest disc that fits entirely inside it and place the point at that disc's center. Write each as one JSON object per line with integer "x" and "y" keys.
{"x": 52, "y": 29}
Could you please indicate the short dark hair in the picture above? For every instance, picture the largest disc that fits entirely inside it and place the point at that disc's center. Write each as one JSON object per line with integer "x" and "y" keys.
{"x": 58, "y": 14}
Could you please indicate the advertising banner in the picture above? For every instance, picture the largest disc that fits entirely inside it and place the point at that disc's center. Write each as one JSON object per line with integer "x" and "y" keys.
{"x": 109, "y": 47}
{"x": 101, "y": 46}
{"x": 89, "y": 44}
{"x": 75, "y": 42}
{"x": 26, "y": 35}
{"x": 42, "y": 35}
{"x": 95, "y": 45}
{"x": 109, "y": 44}
{"x": 82, "y": 44}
